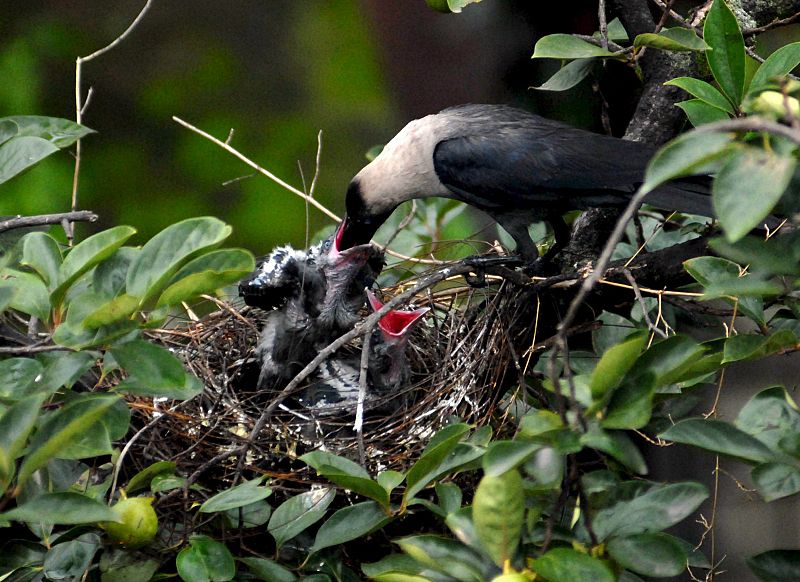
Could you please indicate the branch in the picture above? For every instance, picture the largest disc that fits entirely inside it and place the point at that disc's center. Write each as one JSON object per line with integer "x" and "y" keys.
{"x": 43, "y": 219}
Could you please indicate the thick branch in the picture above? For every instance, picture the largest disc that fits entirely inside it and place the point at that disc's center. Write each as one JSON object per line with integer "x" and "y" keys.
{"x": 44, "y": 219}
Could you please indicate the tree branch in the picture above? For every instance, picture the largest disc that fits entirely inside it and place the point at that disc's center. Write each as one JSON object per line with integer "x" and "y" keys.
{"x": 44, "y": 219}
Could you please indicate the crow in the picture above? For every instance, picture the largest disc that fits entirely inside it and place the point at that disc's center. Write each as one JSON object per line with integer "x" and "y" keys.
{"x": 515, "y": 166}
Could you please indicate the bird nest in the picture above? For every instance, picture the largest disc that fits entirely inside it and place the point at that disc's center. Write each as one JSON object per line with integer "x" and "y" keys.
{"x": 463, "y": 359}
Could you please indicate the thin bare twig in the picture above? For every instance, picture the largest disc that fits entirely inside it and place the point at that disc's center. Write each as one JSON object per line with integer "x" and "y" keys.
{"x": 358, "y": 425}
{"x": 80, "y": 106}
{"x": 774, "y": 24}
{"x": 45, "y": 219}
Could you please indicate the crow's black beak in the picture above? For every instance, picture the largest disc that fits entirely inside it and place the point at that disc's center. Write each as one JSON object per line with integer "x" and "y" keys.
{"x": 355, "y": 231}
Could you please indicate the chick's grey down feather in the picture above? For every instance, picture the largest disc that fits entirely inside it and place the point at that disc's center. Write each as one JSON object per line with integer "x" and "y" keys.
{"x": 516, "y": 166}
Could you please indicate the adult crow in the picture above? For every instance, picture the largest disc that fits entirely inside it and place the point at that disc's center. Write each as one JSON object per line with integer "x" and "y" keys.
{"x": 515, "y": 166}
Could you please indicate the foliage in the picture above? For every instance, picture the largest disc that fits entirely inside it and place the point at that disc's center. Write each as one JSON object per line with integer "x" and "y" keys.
{"x": 565, "y": 497}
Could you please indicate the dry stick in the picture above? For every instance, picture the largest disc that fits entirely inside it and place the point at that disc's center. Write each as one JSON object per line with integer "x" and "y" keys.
{"x": 43, "y": 219}
{"x": 358, "y": 425}
{"x": 331, "y": 348}
{"x": 603, "y": 20}
{"x": 80, "y": 105}
{"x": 228, "y": 148}
{"x": 774, "y": 24}
{"x": 638, "y": 293}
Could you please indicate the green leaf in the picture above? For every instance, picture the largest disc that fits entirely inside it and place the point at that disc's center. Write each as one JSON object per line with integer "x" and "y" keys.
{"x": 503, "y": 456}
{"x": 614, "y": 364}
{"x": 747, "y": 188}
{"x": 61, "y": 429}
{"x": 776, "y": 565}
{"x": 566, "y": 46}
{"x": 350, "y": 523}
{"x": 617, "y": 444}
{"x": 60, "y": 508}
{"x": 164, "y": 254}
{"x": 268, "y": 570}
{"x": 719, "y": 437}
{"x": 778, "y": 64}
{"x": 766, "y": 256}
{"x": 744, "y": 347}
{"x": 117, "y": 309}
{"x": 18, "y": 377}
{"x": 108, "y": 279}
{"x": 449, "y": 496}
{"x": 568, "y": 76}
{"x": 389, "y": 480}
{"x": 568, "y": 565}
{"x": 8, "y": 129}
{"x": 70, "y": 559}
{"x": 444, "y": 555}
{"x": 704, "y": 91}
{"x": 776, "y": 480}
{"x": 770, "y": 416}
{"x": 498, "y": 512}
{"x": 672, "y": 39}
{"x": 708, "y": 270}
{"x": 154, "y": 371}
{"x": 61, "y": 132}
{"x": 631, "y": 405}
{"x": 205, "y": 560}
{"x": 63, "y": 369}
{"x": 251, "y": 515}
{"x": 539, "y": 422}
{"x": 686, "y": 155}
{"x": 40, "y": 252}
{"x": 143, "y": 478}
{"x": 395, "y": 568}
{"x": 239, "y": 496}
{"x": 298, "y": 513}
{"x": 30, "y": 293}
{"x": 656, "y": 554}
{"x": 206, "y": 274}
{"x": 426, "y": 467}
{"x": 347, "y": 474}
{"x": 20, "y": 153}
{"x": 16, "y": 425}
{"x": 699, "y": 112}
{"x": 656, "y": 509}
{"x": 87, "y": 254}
{"x": 727, "y": 59}
{"x": 123, "y": 565}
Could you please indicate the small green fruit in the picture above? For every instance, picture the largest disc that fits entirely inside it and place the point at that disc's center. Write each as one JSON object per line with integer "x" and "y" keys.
{"x": 138, "y": 521}
{"x": 512, "y": 577}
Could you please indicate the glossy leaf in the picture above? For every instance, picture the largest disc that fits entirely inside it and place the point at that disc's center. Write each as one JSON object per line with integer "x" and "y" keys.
{"x": 657, "y": 554}
{"x": 776, "y": 565}
{"x": 395, "y": 568}
{"x": 31, "y": 295}
{"x": 747, "y": 188}
{"x": 498, "y": 512}
{"x": 776, "y": 480}
{"x": 298, "y": 513}
{"x": 61, "y": 429}
{"x": 426, "y": 467}
{"x": 87, "y": 254}
{"x": 699, "y": 112}
{"x": 350, "y": 523}
{"x": 8, "y": 129}
{"x": 61, "y": 132}
{"x": 164, "y": 254}
{"x": 656, "y": 509}
{"x": 41, "y": 253}
{"x": 389, "y": 480}
{"x": 268, "y": 570}
{"x": 617, "y": 444}
{"x": 769, "y": 257}
{"x": 347, "y": 474}
{"x": 117, "y": 309}
{"x": 566, "y": 46}
{"x": 205, "y": 560}
{"x": 60, "y": 508}
{"x": 503, "y": 456}
{"x": 16, "y": 425}
{"x": 688, "y": 154}
{"x": 727, "y": 60}
{"x": 778, "y": 64}
{"x": 62, "y": 369}
{"x": 744, "y": 347}
{"x": 20, "y": 153}
{"x": 672, "y": 39}
{"x": 706, "y": 92}
{"x": 143, "y": 478}
{"x": 154, "y": 371}
{"x": 444, "y": 555}
{"x": 69, "y": 560}
{"x": 568, "y": 76}
{"x": 718, "y": 437}
{"x": 614, "y": 364}
{"x": 18, "y": 377}
{"x": 539, "y": 422}
{"x": 449, "y": 496}
{"x": 568, "y": 565}
{"x": 122, "y": 565}
{"x": 770, "y": 416}
{"x": 238, "y": 496}
{"x": 206, "y": 274}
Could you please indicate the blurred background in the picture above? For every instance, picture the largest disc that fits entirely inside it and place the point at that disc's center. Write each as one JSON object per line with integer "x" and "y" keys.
{"x": 277, "y": 72}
